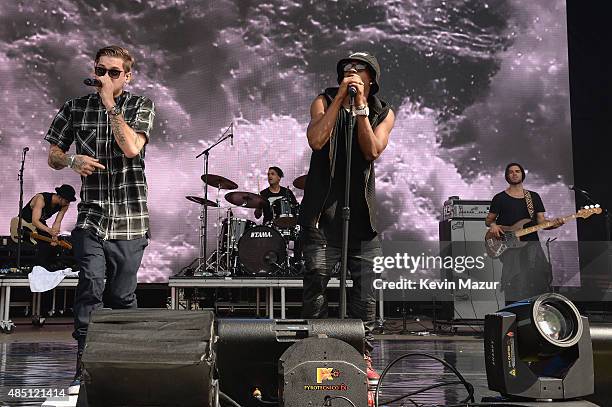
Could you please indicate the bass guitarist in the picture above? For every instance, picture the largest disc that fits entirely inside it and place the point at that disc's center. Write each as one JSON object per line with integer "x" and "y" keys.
{"x": 41, "y": 207}
{"x": 526, "y": 271}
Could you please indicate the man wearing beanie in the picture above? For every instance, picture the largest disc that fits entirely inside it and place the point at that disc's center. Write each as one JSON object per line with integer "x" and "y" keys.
{"x": 321, "y": 209}
{"x": 526, "y": 272}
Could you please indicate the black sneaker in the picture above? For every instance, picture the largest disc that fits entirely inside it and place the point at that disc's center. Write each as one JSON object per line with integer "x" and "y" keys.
{"x": 75, "y": 386}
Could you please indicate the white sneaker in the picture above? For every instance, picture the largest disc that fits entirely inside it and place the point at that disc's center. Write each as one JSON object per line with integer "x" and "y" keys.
{"x": 74, "y": 387}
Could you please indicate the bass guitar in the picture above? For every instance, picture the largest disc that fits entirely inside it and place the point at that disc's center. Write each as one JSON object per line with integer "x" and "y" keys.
{"x": 511, "y": 238}
{"x": 29, "y": 230}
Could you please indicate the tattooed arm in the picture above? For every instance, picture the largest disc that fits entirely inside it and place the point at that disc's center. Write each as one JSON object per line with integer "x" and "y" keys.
{"x": 128, "y": 140}
{"x": 58, "y": 159}
{"x": 81, "y": 164}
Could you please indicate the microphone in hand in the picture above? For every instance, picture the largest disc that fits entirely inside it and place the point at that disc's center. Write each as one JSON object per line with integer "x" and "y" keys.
{"x": 352, "y": 90}
{"x": 92, "y": 82}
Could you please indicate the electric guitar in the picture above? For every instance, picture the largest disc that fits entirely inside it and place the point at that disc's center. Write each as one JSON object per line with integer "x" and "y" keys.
{"x": 29, "y": 230}
{"x": 512, "y": 234}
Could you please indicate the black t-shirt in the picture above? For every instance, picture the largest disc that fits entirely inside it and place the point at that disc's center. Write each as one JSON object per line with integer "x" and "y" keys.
{"x": 510, "y": 210}
{"x": 273, "y": 196}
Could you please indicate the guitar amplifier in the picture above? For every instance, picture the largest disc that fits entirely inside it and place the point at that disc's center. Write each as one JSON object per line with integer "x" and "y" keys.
{"x": 466, "y": 238}
{"x": 8, "y": 255}
{"x": 455, "y": 208}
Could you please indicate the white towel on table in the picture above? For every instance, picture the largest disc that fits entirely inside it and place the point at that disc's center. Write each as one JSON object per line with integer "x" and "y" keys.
{"x": 42, "y": 280}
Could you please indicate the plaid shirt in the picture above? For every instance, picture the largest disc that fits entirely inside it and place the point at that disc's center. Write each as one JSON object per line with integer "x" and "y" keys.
{"x": 113, "y": 200}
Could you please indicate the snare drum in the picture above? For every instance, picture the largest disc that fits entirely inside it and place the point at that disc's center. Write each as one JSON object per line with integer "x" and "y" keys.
{"x": 284, "y": 213}
{"x": 232, "y": 230}
{"x": 262, "y": 250}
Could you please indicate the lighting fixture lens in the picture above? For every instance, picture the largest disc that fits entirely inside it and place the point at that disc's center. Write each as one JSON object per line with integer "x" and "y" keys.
{"x": 552, "y": 322}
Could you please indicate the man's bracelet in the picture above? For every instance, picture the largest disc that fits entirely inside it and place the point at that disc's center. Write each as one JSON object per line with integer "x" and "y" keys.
{"x": 71, "y": 160}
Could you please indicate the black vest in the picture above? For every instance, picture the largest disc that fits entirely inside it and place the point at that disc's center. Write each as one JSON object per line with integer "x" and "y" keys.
{"x": 48, "y": 210}
{"x": 323, "y": 168}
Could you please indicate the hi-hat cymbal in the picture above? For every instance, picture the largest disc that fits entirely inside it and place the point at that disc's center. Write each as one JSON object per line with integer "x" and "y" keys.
{"x": 201, "y": 201}
{"x": 245, "y": 199}
{"x": 218, "y": 181}
{"x": 300, "y": 182}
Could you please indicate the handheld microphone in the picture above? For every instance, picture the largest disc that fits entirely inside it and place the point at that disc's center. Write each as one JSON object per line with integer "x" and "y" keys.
{"x": 92, "y": 82}
{"x": 352, "y": 91}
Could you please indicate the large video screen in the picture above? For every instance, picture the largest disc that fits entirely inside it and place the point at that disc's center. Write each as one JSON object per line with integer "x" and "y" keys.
{"x": 474, "y": 85}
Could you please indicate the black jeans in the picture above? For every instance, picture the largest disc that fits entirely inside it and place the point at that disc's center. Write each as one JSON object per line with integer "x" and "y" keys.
{"x": 525, "y": 273}
{"x": 320, "y": 261}
{"x": 116, "y": 260}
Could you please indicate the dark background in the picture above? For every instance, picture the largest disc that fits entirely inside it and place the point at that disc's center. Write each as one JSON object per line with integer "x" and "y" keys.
{"x": 590, "y": 67}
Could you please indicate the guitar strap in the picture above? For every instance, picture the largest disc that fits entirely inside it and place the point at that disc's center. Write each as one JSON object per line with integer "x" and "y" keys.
{"x": 529, "y": 204}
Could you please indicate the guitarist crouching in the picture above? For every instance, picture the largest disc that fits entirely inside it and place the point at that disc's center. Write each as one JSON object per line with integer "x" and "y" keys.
{"x": 41, "y": 207}
{"x": 526, "y": 272}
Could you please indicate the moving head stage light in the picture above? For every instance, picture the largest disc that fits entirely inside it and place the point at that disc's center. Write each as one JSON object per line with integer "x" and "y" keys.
{"x": 539, "y": 348}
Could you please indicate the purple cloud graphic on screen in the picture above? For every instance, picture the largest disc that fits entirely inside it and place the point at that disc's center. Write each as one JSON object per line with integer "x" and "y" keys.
{"x": 474, "y": 86}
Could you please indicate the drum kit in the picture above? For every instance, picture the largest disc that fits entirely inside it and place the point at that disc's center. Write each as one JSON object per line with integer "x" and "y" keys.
{"x": 243, "y": 247}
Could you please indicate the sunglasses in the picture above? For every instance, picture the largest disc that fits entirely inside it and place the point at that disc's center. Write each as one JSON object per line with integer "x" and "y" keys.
{"x": 113, "y": 73}
{"x": 356, "y": 65}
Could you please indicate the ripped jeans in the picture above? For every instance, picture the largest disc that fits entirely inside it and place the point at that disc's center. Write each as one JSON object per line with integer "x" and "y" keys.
{"x": 320, "y": 261}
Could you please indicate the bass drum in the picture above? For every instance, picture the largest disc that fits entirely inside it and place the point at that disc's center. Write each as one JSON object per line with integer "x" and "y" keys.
{"x": 262, "y": 251}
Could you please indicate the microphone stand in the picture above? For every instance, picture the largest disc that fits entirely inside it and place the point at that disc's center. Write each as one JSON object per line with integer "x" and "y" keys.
{"x": 550, "y": 262}
{"x": 590, "y": 200}
{"x": 204, "y": 215}
{"x": 20, "y": 178}
{"x": 346, "y": 209}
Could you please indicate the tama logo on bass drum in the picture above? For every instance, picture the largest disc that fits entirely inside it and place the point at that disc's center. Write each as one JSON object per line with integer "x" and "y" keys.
{"x": 261, "y": 234}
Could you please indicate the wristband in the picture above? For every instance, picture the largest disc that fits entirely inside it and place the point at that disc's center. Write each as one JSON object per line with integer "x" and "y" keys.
{"x": 114, "y": 111}
{"x": 361, "y": 111}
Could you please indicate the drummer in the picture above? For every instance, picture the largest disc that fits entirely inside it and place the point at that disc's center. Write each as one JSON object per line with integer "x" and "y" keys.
{"x": 272, "y": 193}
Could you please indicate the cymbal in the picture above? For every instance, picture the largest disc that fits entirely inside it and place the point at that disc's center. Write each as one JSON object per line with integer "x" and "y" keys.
{"x": 201, "y": 201}
{"x": 245, "y": 199}
{"x": 218, "y": 181}
{"x": 300, "y": 182}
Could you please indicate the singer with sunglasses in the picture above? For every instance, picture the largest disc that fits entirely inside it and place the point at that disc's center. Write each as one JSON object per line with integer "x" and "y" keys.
{"x": 110, "y": 129}
{"x": 321, "y": 211}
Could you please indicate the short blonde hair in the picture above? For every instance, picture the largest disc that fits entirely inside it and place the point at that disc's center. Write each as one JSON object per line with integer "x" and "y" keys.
{"x": 117, "y": 52}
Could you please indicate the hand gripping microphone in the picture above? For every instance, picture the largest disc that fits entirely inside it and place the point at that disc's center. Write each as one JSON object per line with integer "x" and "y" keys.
{"x": 92, "y": 82}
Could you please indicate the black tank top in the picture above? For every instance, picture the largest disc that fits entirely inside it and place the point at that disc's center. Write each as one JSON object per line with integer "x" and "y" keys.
{"x": 48, "y": 210}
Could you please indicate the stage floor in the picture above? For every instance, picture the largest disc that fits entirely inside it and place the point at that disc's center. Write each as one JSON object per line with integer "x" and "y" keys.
{"x": 36, "y": 358}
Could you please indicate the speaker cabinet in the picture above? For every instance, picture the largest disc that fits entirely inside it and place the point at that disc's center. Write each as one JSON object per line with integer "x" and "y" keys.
{"x": 248, "y": 351}
{"x": 151, "y": 357}
{"x": 465, "y": 237}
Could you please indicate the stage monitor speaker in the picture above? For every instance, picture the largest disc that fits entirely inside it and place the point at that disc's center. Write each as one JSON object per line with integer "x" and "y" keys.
{"x": 465, "y": 237}
{"x": 149, "y": 357}
{"x": 248, "y": 351}
{"x": 316, "y": 368}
